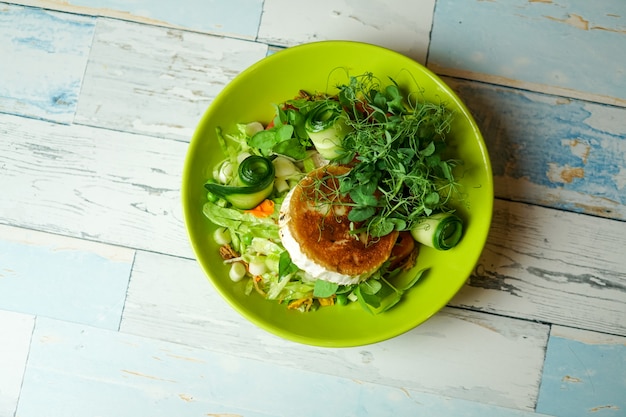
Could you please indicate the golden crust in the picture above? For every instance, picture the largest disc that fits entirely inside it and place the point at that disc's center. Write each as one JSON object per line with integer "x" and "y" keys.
{"x": 321, "y": 226}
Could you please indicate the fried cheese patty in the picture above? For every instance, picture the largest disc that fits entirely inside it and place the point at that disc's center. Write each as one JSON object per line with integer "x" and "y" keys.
{"x": 315, "y": 230}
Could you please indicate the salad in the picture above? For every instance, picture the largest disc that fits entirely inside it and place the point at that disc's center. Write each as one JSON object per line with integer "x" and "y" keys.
{"x": 370, "y": 158}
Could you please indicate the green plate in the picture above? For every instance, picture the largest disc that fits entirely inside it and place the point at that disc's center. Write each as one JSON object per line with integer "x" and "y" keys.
{"x": 318, "y": 67}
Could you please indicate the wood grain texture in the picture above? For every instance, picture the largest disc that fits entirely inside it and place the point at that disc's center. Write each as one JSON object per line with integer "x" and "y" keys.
{"x": 29, "y": 37}
{"x": 398, "y": 25}
{"x": 95, "y": 184}
{"x": 95, "y": 187}
{"x": 551, "y": 266}
{"x": 64, "y": 278}
{"x": 552, "y": 151}
{"x": 232, "y": 18}
{"x": 15, "y": 335}
{"x": 568, "y": 47}
{"x": 584, "y": 374}
{"x": 75, "y": 369}
{"x": 457, "y": 353}
{"x": 157, "y": 81}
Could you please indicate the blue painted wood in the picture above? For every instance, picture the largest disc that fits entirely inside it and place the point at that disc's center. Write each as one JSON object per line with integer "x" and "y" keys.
{"x": 15, "y": 333}
{"x": 236, "y": 18}
{"x": 77, "y": 371}
{"x": 584, "y": 378}
{"x": 48, "y": 54}
{"x": 62, "y": 282}
{"x": 546, "y": 150}
{"x": 576, "y": 45}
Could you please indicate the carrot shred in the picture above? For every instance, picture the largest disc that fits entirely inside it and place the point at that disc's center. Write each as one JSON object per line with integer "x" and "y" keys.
{"x": 255, "y": 281}
{"x": 295, "y": 304}
{"x": 326, "y": 301}
{"x": 265, "y": 209}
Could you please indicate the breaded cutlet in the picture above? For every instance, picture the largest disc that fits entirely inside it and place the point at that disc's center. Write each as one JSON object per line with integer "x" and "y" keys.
{"x": 317, "y": 219}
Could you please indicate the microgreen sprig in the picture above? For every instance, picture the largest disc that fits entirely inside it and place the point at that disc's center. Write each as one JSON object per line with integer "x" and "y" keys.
{"x": 396, "y": 147}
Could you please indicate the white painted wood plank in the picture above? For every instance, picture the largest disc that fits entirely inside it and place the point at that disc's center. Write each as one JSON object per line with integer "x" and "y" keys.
{"x": 234, "y": 18}
{"x": 30, "y": 37}
{"x": 15, "y": 334}
{"x": 403, "y": 26}
{"x": 584, "y": 374}
{"x": 457, "y": 353}
{"x": 551, "y": 266}
{"x": 552, "y": 151}
{"x": 573, "y": 48}
{"x": 76, "y": 369}
{"x": 64, "y": 278}
{"x": 157, "y": 81}
{"x": 97, "y": 184}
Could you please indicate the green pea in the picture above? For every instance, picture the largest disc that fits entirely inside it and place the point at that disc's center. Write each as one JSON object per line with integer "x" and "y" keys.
{"x": 212, "y": 197}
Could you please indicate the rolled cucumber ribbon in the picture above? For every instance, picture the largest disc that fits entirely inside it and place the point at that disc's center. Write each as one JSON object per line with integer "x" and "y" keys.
{"x": 256, "y": 174}
{"x": 326, "y": 127}
{"x": 441, "y": 231}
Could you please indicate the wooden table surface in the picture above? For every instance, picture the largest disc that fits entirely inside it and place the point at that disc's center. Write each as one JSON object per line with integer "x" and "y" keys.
{"x": 104, "y": 311}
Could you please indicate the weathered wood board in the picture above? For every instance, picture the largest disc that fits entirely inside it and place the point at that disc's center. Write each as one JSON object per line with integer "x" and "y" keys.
{"x": 29, "y": 37}
{"x": 232, "y": 18}
{"x": 395, "y": 24}
{"x": 75, "y": 369}
{"x": 583, "y": 374}
{"x": 170, "y": 299}
{"x": 64, "y": 278}
{"x": 551, "y": 266}
{"x": 157, "y": 81}
{"x": 15, "y": 334}
{"x": 92, "y": 183}
{"x": 568, "y": 48}
{"x": 552, "y": 151}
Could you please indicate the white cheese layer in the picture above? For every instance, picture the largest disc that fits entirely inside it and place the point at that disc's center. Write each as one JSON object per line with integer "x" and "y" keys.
{"x": 301, "y": 260}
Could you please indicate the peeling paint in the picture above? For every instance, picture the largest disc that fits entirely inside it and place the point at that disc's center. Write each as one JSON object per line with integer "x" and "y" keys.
{"x": 597, "y": 210}
{"x": 578, "y": 148}
{"x": 572, "y": 379}
{"x": 6, "y": 271}
{"x": 621, "y": 31}
{"x": 579, "y": 22}
{"x": 573, "y": 20}
{"x": 481, "y": 278}
{"x": 620, "y": 179}
{"x": 134, "y": 373}
{"x": 564, "y": 174}
{"x": 185, "y": 358}
{"x": 603, "y": 407}
{"x": 186, "y": 397}
{"x": 590, "y": 280}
